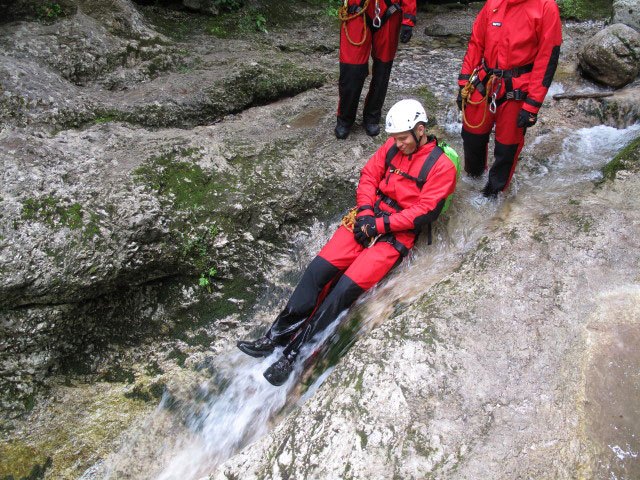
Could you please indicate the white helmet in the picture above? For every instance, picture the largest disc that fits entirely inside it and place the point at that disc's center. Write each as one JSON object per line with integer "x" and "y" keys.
{"x": 404, "y": 115}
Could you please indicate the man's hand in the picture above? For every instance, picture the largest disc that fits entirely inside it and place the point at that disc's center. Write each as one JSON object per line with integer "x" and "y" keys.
{"x": 526, "y": 119}
{"x": 365, "y": 229}
{"x": 405, "y": 33}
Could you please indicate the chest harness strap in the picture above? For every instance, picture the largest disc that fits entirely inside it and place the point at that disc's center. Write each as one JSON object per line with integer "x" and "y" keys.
{"x": 420, "y": 180}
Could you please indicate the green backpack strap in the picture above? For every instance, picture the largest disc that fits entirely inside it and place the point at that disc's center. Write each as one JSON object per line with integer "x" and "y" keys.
{"x": 453, "y": 156}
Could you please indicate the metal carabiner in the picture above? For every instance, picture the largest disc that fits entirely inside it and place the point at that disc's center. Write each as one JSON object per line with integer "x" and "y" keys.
{"x": 493, "y": 106}
{"x": 373, "y": 242}
{"x": 377, "y": 21}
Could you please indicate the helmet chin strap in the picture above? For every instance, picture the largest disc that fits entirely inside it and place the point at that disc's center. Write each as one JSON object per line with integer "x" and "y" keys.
{"x": 417, "y": 140}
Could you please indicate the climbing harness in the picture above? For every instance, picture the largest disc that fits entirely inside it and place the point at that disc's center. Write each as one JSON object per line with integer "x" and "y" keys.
{"x": 473, "y": 84}
{"x": 349, "y": 220}
{"x": 347, "y": 13}
{"x": 490, "y": 87}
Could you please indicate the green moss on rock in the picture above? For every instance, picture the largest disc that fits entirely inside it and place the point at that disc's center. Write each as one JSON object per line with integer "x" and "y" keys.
{"x": 582, "y": 10}
{"x": 627, "y": 159}
{"x": 53, "y": 212}
{"x": 262, "y": 83}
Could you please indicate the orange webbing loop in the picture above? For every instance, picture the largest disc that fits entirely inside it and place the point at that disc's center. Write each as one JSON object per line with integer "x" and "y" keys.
{"x": 349, "y": 220}
{"x": 466, "y": 93}
{"x": 344, "y": 17}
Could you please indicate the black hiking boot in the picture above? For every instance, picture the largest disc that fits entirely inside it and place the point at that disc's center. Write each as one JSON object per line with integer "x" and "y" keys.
{"x": 490, "y": 192}
{"x": 372, "y": 129}
{"x": 262, "y": 347}
{"x": 341, "y": 130}
{"x": 279, "y": 372}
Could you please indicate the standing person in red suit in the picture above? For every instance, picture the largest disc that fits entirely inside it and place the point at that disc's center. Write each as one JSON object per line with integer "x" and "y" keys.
{"x": 402, "y": 187}
{"x": 369, "y": 28}
{"x": 507, "y": 70}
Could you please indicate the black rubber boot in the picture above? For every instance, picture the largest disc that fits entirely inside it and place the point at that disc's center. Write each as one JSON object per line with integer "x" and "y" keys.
{"x": 341, "y": 130}
{"x": 352, "y": 77}
{"x": 372, "y": 129}
{"x": 475, "y": 152}
{"x": 381, "y": 71}
{"x": 262, "y": 347}
{"x": 279, "y": 372}
{"x": 490, "y": 192}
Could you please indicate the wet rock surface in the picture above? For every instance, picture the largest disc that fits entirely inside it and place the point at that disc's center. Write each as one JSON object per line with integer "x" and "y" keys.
{"x": 627, "y": 12}
{"x": 612, "y": 56}
{"x": 151, "y": 216}
{"x": 554, "y": 382}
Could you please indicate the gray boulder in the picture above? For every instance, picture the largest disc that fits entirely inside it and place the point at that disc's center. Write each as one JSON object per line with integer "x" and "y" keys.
{"x": 612, "y": 56}
{"x": 627, "y": 12}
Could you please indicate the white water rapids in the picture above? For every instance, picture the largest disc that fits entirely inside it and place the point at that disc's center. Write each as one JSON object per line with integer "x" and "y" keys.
{"x": 238, "y": 407}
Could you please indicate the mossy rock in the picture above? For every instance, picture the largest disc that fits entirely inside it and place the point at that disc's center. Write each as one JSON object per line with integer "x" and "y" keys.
{"x": 582, "y": 10}
{"x": 628, "y": 159}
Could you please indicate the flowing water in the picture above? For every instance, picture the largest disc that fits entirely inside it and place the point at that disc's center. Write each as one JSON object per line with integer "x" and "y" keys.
{"x": 187, "y": 438}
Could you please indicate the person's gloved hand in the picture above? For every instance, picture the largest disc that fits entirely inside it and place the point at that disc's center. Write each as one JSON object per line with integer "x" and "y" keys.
{"x": 526, "y": 119}
{"x": 405, "y": 33}
{"x": 365, "y": 229}
{"x": 459, "y": 99}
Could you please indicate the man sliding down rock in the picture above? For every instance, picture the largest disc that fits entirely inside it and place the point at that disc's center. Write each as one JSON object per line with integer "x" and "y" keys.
{"x": 403, "y": 186}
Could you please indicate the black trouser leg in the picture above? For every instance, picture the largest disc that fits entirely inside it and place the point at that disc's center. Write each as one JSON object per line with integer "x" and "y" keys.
{"x": 381, "y": 72}
{"x": 303, "y": 300}
{"x": 500, "y": 171}
{"x": 350, "y": 85}
{"x": 341, "y": 297}
{"x": 475, "y": 152}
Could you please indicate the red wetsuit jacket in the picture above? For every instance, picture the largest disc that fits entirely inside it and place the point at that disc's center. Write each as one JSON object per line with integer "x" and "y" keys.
{"x": 515, "y": 33}
{"x": 419, "y": 206}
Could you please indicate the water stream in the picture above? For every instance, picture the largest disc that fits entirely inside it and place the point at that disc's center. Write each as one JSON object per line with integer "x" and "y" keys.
{"x": 237, "y": 407}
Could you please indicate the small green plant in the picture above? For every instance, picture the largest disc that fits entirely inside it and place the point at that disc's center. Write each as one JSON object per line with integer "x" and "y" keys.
{"x": 205, "y": 280}
{"x": 218, "y": 31}
{"x": 46, "y": 11}
{"x": 332, "y": 7}
{"x": 332, "y": 12}
{"x": 261, "y": 23}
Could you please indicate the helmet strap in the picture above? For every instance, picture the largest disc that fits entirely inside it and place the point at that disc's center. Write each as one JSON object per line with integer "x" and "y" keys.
{"x": 415, "y": 137}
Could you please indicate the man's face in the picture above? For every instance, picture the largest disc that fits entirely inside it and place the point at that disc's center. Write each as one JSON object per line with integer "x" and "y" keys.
{"x": 405, "y": 141}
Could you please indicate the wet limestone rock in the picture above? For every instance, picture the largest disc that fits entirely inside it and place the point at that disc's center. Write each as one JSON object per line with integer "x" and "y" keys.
{"x": 612, "y": 56}
{"x": 520, "y": 363}
{"x": 112, "y": 231}
{"x": 104, "y": 43}
{"x": 627, "y": 12}
{"x": 619, "y": 110}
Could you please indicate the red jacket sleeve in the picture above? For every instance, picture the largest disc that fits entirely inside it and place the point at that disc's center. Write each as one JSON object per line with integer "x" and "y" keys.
{"x": 370, "y": 177}
{"x": 546, "y": 61}
{"x": 409, "y": 12}
{"x": 440, "y": 183}
{"x": 475, "y": 50}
